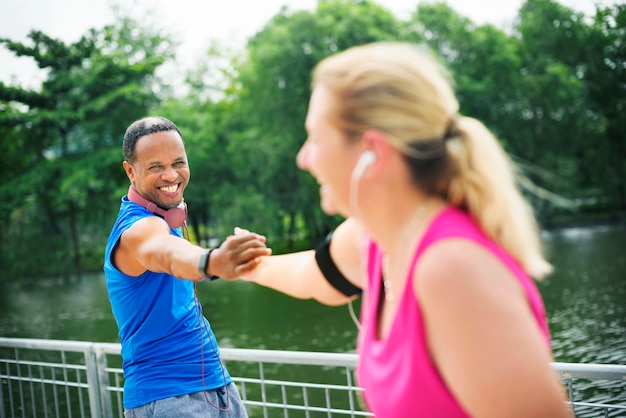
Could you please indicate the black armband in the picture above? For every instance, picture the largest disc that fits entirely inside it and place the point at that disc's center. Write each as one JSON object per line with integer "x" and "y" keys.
{"x": 330, "y": 271}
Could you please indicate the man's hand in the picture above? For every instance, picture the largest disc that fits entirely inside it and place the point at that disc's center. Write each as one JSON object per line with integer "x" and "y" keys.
{"x": 239, "y": 254}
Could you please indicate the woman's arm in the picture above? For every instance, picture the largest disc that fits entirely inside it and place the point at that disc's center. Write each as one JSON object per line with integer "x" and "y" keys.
{"x": 298, "y": 274}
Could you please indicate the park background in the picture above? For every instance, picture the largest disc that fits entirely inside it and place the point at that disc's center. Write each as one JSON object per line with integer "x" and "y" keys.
{"x": 552, "y": 86}
{"x": 551, "y": 83}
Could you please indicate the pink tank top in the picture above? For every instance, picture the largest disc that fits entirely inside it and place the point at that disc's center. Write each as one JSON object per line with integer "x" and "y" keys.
{"x": 396, "y": 373}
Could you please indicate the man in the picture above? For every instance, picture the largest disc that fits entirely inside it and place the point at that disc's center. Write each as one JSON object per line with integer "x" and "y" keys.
{"x": 170, "y": 358}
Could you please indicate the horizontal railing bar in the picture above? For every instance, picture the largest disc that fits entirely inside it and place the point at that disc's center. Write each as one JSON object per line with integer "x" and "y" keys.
{"x": 115, "y": 389}
{"x": 48, "y": 345}
{"x": 290, "y": 357}
{"x": 55, "y": 382}
{"x": 600, "y": 405}
{"x": 306, "y": 408}
{"x": 575, "y": 370}
{"x": 591, "y": 371}
{"x": 297, "y": 384}
{"x": 51, "y": 365}
{"x": 567, "y": 370}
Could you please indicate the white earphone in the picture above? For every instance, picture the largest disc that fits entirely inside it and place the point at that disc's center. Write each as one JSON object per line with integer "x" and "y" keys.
{"x": 367, "y": 158}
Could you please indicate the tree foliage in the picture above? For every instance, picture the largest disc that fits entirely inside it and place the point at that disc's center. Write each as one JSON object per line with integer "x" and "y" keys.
{"x": 269, "y": 104}
{"x": 552, "y": 87}
{"x": 64, "y": 135}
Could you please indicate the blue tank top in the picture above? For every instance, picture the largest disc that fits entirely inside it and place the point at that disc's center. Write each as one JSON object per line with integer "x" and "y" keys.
{"x": 166, "y": 342}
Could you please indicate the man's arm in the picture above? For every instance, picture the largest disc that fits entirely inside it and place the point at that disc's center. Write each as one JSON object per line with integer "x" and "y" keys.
{"x": 148, "y": 245}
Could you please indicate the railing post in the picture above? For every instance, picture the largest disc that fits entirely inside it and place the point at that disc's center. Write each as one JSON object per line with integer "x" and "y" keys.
{"x": 2, "y": 407}
{"x": 92, "y": 380}
{"x": 103, "y": 383}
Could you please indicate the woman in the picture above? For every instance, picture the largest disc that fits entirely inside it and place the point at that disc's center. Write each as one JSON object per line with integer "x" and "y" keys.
{"x": 437, "y": 236}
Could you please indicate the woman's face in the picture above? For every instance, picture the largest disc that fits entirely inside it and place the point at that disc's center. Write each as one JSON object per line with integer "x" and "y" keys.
{"x": 327, "y": 154}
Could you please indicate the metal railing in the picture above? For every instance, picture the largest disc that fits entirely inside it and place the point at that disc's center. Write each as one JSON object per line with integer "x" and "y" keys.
{"x": 53, "y": 378}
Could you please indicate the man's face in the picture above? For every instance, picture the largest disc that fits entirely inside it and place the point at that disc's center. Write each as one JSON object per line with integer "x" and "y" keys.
{"x": 160, "y": 172}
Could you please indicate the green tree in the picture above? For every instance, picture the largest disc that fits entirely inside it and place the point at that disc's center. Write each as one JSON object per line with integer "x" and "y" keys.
{"x": 552, "y": 89}
{"x": 525, "y": 86}
{"x": 605, "y": 79}
{"x": 63, "y": 135}
{"x": 574, "y": 85}
{"x": 483, "y": 60}
{"x": 201, "y": 113}
{"x": 269, "y": 102}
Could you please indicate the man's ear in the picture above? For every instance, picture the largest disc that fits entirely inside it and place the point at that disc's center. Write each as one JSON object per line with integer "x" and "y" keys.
{"x": 130, "y": 171}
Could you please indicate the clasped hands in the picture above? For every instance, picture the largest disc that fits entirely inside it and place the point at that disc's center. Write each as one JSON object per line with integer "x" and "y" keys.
{"x": 239, "y": 254}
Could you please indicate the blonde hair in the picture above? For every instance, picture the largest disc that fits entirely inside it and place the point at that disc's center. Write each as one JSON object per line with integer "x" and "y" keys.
{"x": 401, "y": 90}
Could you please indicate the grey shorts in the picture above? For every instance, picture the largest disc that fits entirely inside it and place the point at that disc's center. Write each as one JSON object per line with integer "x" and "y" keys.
{"x": 222, "y": 402}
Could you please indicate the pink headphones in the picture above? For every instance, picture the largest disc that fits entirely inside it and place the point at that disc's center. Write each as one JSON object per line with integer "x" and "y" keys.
{"x": 175, "y": 217}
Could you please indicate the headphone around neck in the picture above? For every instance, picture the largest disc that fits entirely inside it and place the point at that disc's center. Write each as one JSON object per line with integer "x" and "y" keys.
{"x": 175, "y": 217}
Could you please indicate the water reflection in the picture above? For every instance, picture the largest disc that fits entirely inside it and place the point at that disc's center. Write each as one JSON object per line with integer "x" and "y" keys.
{"x": 257, "y": 317}
{"x": 586, "y": 303}
{"x": 586, "y": 296}
{"x": 56, "y": 310}
{"x": 585, "y": 300}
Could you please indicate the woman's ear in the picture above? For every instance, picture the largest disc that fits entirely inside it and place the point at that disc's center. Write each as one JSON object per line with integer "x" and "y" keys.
{"x": 377, "y": 150}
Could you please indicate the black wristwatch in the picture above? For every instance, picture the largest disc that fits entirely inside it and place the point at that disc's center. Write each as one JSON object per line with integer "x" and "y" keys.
{"x": 203, "y": 265}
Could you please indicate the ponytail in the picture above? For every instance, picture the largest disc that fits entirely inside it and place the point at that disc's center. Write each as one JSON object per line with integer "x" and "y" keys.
{"x": 485, "y": 184}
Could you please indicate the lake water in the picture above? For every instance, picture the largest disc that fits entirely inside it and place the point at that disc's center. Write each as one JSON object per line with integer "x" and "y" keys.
{"x": 585, "y": 299}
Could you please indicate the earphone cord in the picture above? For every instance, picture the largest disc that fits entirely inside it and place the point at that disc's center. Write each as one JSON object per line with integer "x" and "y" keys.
{"x": 354, "y": 197}
{"x": 355, "y": 181}
{"x": 353, "y": 315}
{"x": 186, "y": 232}
{"x": 203, "y": 327}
